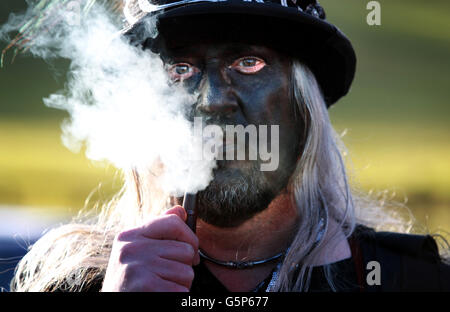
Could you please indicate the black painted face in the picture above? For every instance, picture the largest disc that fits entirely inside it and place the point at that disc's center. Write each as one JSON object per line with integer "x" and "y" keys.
{"x": 240, "y": 84}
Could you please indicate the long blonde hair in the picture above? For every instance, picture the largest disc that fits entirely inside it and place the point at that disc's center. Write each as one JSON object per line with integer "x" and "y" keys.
{"x": 76, "y": 255}
{"x": 321, "y": 191}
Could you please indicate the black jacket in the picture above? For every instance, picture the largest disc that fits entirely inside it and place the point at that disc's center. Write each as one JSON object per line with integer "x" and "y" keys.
{"x": 407, "y": 262}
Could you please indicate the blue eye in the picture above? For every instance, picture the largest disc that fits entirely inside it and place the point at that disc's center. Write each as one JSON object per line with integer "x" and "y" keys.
{"x": 181, "y": 71}
{"x": 248, "y": 64}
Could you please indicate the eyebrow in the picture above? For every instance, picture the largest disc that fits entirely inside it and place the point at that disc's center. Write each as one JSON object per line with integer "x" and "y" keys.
{"x": 229, "y": 50}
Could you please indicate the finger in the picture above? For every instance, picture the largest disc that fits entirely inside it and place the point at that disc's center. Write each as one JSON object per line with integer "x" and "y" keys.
{"x": 145, "y": 249}
{"x": 174, "y": 271}
{"x": 130, "y": 234}
{"x": 178, "y": 251}
{"x": 177, "y": 210}
{"x": 169, "y": 227}
{"x": 163, "y": 285}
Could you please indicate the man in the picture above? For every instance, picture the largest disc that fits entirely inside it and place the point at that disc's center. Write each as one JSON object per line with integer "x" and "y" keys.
{"x": 291, "y": 229}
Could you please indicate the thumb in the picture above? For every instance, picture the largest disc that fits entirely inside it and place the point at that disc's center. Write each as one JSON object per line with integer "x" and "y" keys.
{"x": 177, "y": 210}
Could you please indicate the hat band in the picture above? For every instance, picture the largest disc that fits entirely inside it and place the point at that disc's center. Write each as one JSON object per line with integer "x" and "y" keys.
{"x": 312, "y": 9}
{"x": 148, "y": 7}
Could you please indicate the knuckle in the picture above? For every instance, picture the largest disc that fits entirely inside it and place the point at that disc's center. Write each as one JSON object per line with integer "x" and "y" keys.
{"x": 119, "y": 237}
{"x": 176, "y": 230}
{"x": 151, "y": 284}
{"x": 189, "y": 250}
{"x": 148, "y": 283}
{"x": 185, "y": 275}
{"x": 131, "y": 271}
{"x": 124, "y": 236}
{"x": 127, "y": 252}
{"x": 123, "y": 254}
{"x": 173, "y": 220}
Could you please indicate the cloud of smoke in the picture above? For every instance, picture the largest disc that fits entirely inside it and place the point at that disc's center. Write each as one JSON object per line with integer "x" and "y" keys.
{"x": 121, "y": 105}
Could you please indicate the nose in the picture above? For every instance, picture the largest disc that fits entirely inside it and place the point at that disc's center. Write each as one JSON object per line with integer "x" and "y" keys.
{"x": 217, "y": 96}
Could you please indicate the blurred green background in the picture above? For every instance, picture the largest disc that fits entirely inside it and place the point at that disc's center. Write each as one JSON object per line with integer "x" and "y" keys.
{"x": 396, "y": 116}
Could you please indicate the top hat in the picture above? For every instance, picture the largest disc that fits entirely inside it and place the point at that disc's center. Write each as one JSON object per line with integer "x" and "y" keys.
{"x": 295, "y": 27}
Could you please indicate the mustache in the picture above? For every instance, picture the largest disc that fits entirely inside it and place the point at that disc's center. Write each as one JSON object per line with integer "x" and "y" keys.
{"x": 218, "y": 119}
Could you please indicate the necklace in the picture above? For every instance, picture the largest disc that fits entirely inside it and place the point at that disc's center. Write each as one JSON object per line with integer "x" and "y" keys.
{"x": 249, "y": 264}
{"x": 239, "y": 264}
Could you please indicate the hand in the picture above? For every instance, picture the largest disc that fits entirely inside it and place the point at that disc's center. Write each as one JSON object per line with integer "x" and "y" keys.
{"x": 155, "y": 257}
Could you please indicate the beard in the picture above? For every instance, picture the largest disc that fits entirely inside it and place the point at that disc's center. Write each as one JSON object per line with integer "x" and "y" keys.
{"x": 237, "y": 194}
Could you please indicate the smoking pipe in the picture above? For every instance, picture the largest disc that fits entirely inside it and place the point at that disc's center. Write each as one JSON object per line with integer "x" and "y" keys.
{"x": 189, "y": 204}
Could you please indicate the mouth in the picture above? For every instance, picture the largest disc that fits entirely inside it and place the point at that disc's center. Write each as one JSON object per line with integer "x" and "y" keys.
{"x": 229, "y": 147}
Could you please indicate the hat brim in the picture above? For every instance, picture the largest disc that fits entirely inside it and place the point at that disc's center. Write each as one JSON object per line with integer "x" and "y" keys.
{"x": 317, "y": 43}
